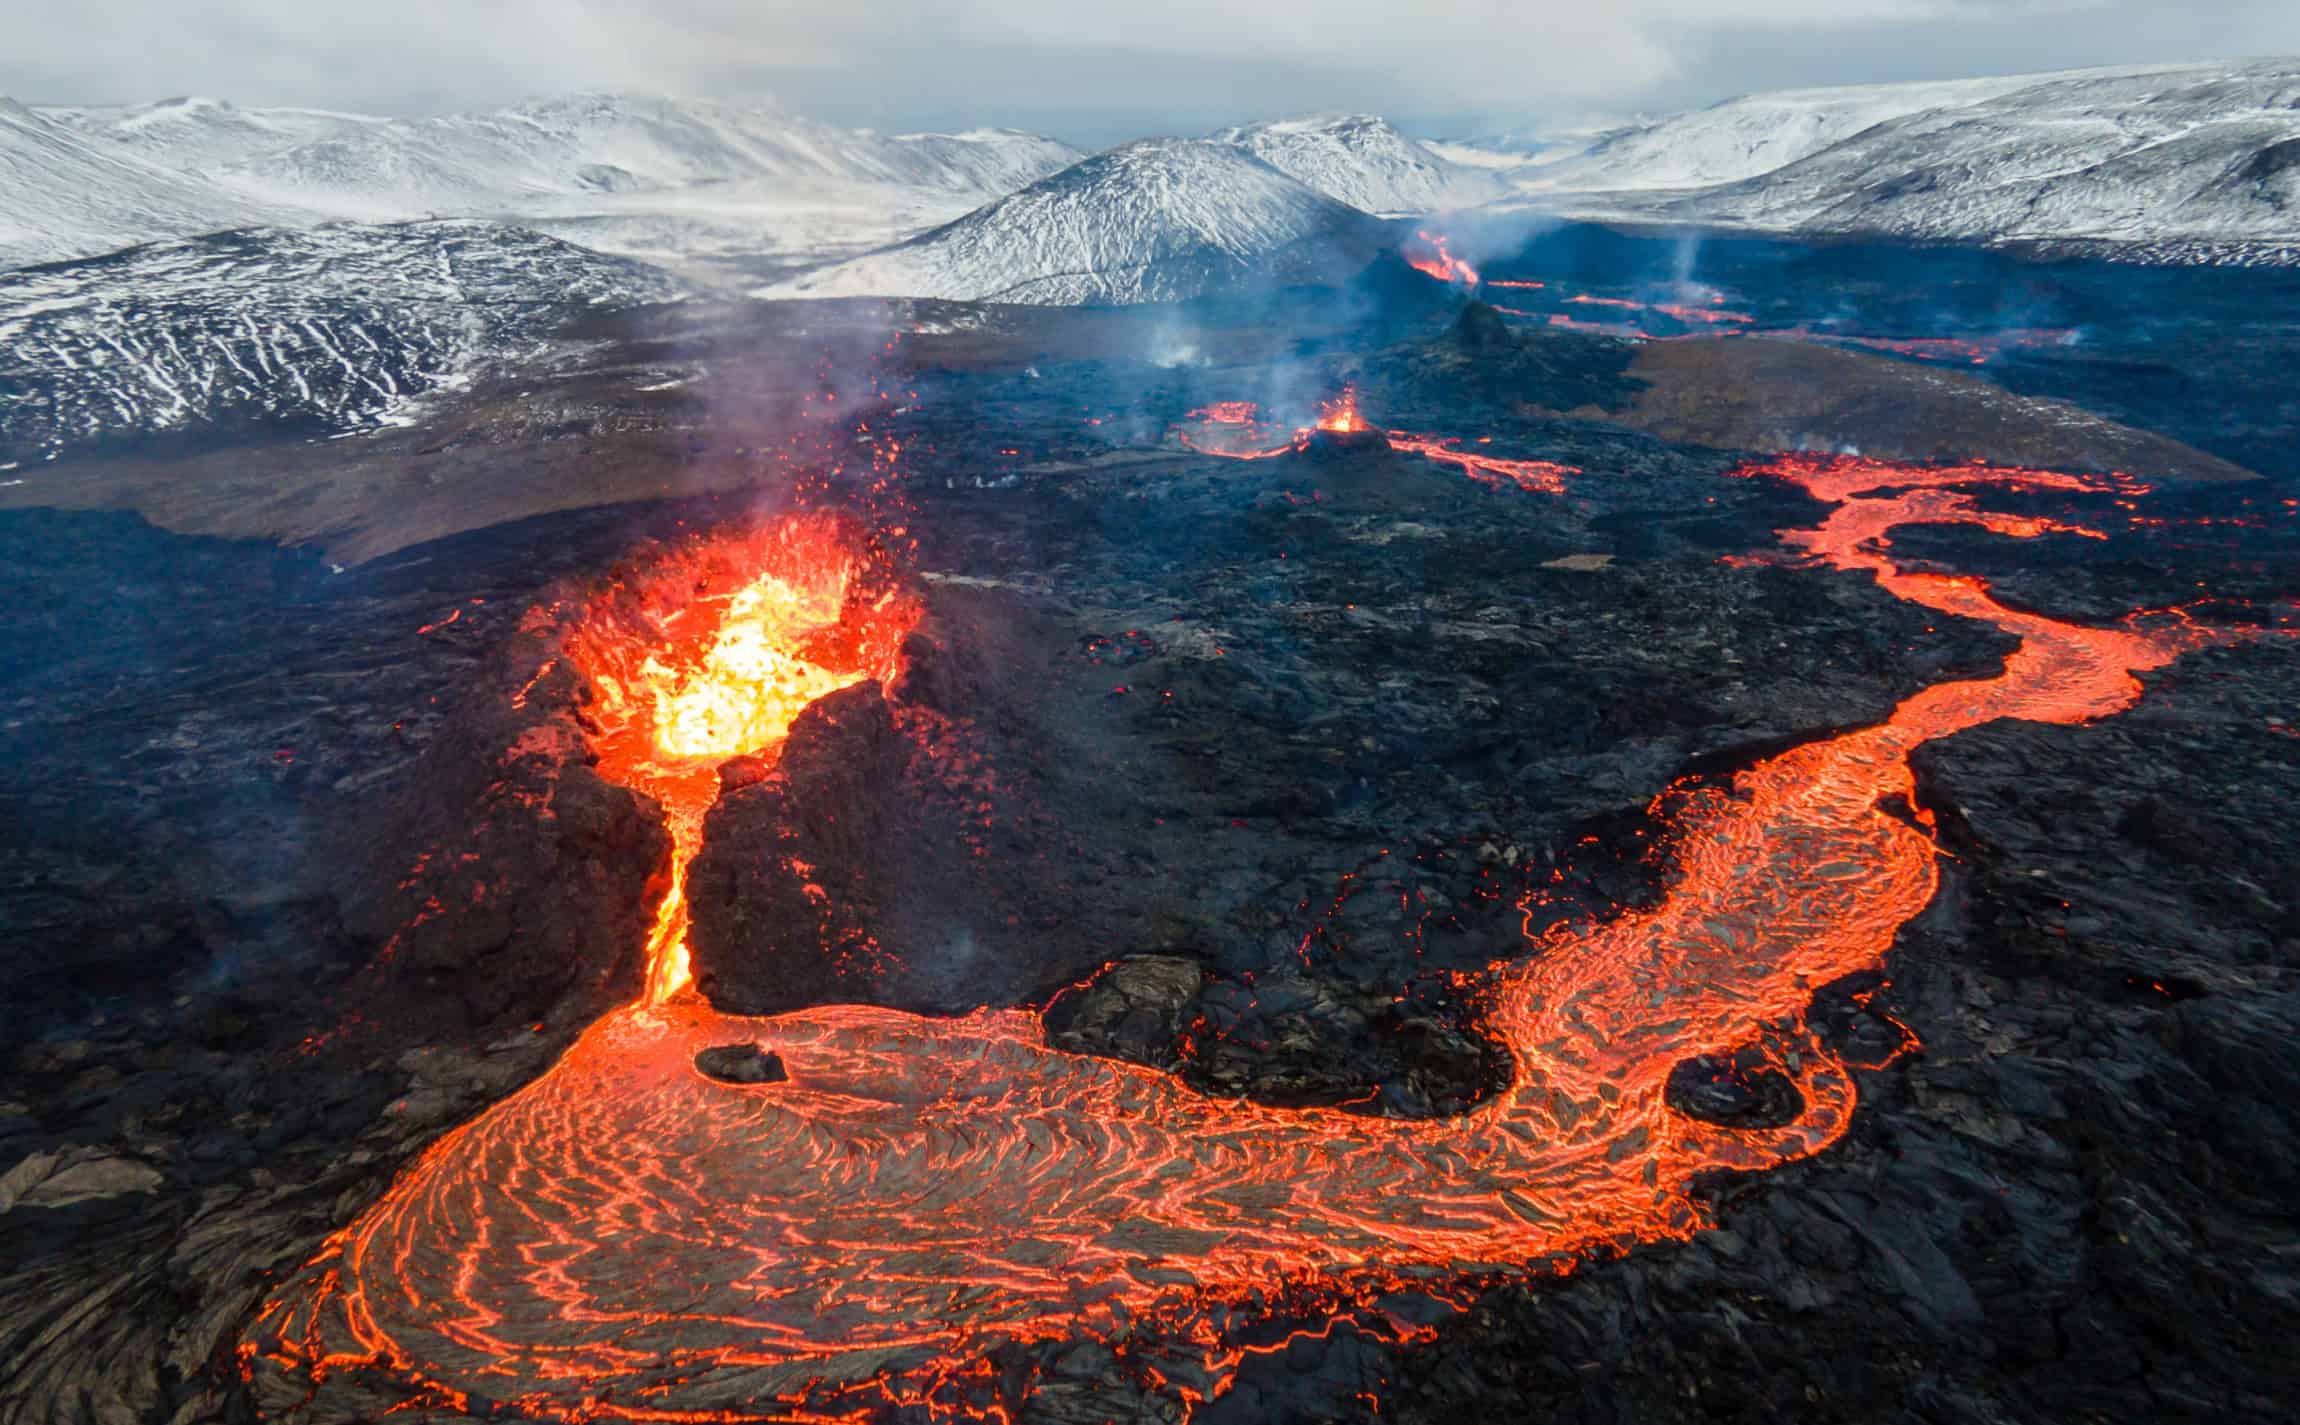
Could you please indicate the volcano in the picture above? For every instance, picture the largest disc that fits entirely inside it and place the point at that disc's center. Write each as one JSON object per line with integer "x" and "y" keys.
{"x": 1795, "y": 874}
{"x": 1381, "y": 872}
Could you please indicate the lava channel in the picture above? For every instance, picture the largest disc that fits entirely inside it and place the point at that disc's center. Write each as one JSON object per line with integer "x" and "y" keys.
{"x": 628, "y": 1238}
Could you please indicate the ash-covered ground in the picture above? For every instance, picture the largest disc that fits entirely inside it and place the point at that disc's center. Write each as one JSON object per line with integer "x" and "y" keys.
{"x": 1256, "y": 762}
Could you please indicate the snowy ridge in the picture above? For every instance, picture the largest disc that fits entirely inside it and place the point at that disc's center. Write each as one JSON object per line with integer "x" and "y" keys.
{"x": 63, "y": 195}
{"x": 2185, "y": 159}
{"x": 1362, "y": 160}
{"x": 660, "y": 177}
{"x": 1747, "y": 136}
{"x": 2209, "y": 152}
{"x": 196, "y": 134}
{"x": 1157, "y": 220}
{"x": 618, "y": 143}
{"x": 321, "y": 330}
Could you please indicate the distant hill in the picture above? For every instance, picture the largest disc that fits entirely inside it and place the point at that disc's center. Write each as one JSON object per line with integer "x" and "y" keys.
{"x": 1150, "y": 221}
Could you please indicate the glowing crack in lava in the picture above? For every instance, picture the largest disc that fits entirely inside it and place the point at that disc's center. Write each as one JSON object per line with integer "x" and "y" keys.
{"x": 1235, "y": 430}
{"x": 1680, "y": 311}
{"x": 627, "y": 1238}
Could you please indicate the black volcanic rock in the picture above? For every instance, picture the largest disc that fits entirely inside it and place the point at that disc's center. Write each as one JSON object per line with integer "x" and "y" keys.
{"x": 743, "y": 772}
{"x": 1481, "y": 331}
{"x": 980, "y": 835}
{"x": 1136, "y": 1009}
{"x": 817, "y": 819}
{"x": 1734, "y": 1091}
{"x": 1348, "y": 473}
{"x": 1400, "y": 297}
{"x": 742, "y": 1064}
{"x": 505, "y": 881}
{"x": 1325, "y": 445}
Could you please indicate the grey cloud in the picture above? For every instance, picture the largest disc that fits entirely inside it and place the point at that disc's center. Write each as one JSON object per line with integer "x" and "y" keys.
{"x": 1091, "y": 72}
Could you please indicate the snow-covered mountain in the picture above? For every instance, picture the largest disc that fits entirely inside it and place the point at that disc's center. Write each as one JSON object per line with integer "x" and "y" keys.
{"x": 1155, "y": 220}
{"x": 1362, "y": 160}
{"x": 2164, "y": 155}
{"x": 619, "y": 143}
{"x": 64, "y": 195}
{"x": 322, "y": 329}
{"x": 663, "y": 178}
{"x": 1743, "y": 137}
{"x": 2207, "y": 152}
{"x": 196, "y": 134}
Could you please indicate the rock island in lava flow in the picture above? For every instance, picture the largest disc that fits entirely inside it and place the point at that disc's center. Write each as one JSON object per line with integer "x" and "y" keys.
{"x": 1413, "y": 868}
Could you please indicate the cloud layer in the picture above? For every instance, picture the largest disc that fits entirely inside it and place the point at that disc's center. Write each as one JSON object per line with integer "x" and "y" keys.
{"x": 1101, "y": 69}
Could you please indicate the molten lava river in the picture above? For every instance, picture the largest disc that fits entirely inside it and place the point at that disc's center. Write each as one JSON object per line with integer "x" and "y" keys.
{"x": 628, "y": 1238}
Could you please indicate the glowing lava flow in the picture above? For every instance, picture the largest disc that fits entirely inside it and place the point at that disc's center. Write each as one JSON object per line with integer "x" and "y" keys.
{"x": 628, "y": 1238}
{"x": 1545, "y": 477}
{"x": 1235, "y": 430}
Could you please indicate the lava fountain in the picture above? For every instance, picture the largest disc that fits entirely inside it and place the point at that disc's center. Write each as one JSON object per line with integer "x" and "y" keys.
{"x": 628, "y": 1238}
{"x": 725, "y": 643}
{"x": 1340, "y": 415}
{"x": 1429, "y": 255}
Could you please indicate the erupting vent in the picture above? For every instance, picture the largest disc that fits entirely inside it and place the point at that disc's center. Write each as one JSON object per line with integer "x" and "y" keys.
{"x": 1428, "y": 255}
{"x": 1235, "y": 430}
{"x": 710, "y": 654}
{"x": 1340, "y": 415}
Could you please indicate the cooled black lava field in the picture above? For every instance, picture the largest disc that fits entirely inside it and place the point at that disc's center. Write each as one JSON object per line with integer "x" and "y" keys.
{"x": 1393, "y": 850}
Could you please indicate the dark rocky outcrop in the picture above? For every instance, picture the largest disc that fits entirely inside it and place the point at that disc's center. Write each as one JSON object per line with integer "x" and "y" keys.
{"x": 742, "y": 1064}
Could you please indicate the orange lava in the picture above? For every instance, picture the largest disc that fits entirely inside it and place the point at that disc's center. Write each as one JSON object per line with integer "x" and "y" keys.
{"x": 1545, "y": 477}
{"x": 1620, "y": 329}
{"x": 1711, "y": 315}
{"x": 1233, "y": 413}
{"x": 1341, "y": 414}
{"x": 626, "y": 1238}
{"x": 1432, "y": 259}
{"x": 1235, "y": 431}
{"x": 727, "y": 645}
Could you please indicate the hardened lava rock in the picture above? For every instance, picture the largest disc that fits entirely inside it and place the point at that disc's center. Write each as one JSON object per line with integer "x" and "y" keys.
{"x": 1740, "y": 1090}
{"x": 742, "y": 1064}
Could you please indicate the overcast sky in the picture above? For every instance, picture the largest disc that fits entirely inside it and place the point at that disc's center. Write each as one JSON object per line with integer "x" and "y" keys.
{"x": 1089, "y": 72}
